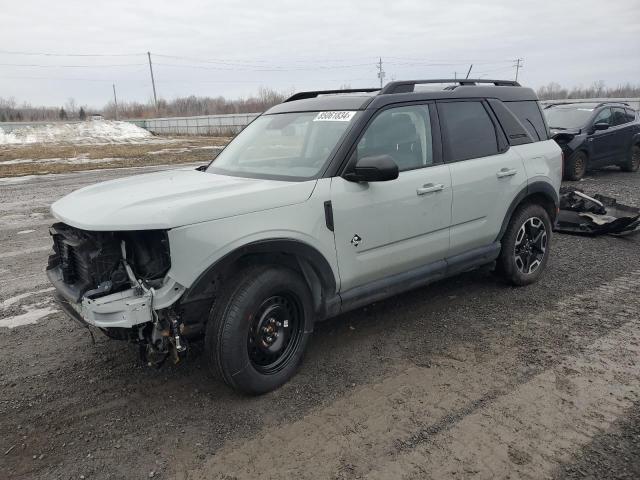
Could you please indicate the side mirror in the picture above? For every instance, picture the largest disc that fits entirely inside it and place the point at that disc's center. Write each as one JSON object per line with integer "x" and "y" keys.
{"x": 600, "y": 126}
{"x": 379, "y": 168}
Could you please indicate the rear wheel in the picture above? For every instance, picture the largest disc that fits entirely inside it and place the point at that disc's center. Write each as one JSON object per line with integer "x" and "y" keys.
{"x": 576, "y": 166}
{"x": 633, "y": 163}
{"x": 525, "y": 245}
{"x": 258, "y": 331}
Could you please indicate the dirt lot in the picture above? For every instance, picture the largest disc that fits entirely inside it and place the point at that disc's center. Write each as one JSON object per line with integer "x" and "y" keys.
{"x": 42, "y": 158}
{"x": 464, "y": 379}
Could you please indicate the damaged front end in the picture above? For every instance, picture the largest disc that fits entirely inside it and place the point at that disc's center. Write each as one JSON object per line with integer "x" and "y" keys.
{"x": 594, "y": 215}
{"x": 118, "y": 282}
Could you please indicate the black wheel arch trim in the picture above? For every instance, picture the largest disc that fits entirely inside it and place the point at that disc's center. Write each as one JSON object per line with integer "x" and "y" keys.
{"x": 285, "y": 246}
{"x": 534, "y": 188}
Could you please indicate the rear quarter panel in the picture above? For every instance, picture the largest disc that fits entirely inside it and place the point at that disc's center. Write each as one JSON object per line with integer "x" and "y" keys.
{"x": 542, "y": 162}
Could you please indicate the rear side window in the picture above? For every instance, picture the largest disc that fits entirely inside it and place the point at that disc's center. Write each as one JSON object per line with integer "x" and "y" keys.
{"x": 530, "y": 116}
{"x": 631, "y": 115}
{"x": 468, "y": 130}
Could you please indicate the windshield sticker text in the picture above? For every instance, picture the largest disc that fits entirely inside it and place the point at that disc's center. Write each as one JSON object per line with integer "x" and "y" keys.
{"x": 344, "y": 116}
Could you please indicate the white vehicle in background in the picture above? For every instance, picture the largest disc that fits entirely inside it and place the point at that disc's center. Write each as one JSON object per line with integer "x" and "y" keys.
{"x": 325, "y": 203}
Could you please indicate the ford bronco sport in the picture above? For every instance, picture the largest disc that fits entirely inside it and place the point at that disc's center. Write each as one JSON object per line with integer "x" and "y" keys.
{"x": 325, "y": 203}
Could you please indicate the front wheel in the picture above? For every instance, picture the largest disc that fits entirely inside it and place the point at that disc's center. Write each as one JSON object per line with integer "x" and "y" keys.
{"x": 257, "y": 333}
{"x": 633, "y": 163}
{"x": 576, "y": 166}
{"x": 525, "y": 245}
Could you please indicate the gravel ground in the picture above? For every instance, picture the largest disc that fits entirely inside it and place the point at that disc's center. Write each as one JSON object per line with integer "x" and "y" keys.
{"x": 467, "y": 378}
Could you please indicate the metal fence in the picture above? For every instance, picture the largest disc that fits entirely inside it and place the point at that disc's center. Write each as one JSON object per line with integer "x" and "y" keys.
{"x": 200, "y": 125}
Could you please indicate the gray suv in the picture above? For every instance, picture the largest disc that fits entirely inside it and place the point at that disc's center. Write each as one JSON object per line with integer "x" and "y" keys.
{"x": 325, "y": 203}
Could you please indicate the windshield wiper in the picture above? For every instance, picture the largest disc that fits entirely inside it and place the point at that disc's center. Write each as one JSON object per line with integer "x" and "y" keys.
{"x": 558, "y": 128}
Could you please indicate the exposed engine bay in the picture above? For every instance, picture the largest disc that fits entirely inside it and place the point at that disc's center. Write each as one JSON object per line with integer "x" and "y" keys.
{"x": 117, "y": 282}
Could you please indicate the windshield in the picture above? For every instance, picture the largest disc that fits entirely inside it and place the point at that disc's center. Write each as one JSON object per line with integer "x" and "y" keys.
{"x": 286, "y": 146}
{"x": 567, "y": 117}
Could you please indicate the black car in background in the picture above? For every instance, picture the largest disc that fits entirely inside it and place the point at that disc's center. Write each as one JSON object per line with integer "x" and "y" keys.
{"x": 595, "y": 135}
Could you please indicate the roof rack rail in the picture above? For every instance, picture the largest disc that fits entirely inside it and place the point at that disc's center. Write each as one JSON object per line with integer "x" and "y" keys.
{"x": 313, "y": 94}
{"x": 406, "y": 86}
{"x": 585, "y": 100}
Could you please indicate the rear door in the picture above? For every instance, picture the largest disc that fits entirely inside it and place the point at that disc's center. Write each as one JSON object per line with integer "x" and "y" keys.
{"x": 623, "y": 131}
{"x": 485, "y": 174}
{"x": 385, "y": 228}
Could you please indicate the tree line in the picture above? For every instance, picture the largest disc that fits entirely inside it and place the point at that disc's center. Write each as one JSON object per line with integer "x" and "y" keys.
{"x": 11, "y": 111}
{"x": 555, "y": 91}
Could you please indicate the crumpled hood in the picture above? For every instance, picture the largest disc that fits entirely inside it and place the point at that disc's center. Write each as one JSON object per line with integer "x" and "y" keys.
{"x": 568, "y": 131}
{"x": 173, "y": 198}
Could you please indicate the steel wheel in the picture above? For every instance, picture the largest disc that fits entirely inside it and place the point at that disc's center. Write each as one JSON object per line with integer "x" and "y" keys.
{"x": 530, "y": 245}
{"x": 275, "y": 332}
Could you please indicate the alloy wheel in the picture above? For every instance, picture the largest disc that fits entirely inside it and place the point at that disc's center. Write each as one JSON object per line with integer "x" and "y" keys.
{"x": 530, "y": 245}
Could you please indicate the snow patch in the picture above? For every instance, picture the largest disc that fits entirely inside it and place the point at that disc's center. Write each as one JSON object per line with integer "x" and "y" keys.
{"x": 12, "y": 300}
{"x": 32, "y": 315}
{"x": 93, "y": 132}
{"x": 22, "y": 232}
{"x": 79, "y": 160}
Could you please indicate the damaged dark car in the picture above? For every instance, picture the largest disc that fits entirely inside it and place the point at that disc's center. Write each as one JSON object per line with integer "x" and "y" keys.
{"x": 594, "y": 135}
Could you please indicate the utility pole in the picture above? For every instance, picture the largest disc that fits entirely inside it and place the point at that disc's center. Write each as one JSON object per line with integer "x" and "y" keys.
{"x": 115, "y": 99}
{"x": 469, "y": 72}
{"x": 518, "y": 65}
{"x": 455, "y": 75}
{"x": 381, "y": 73}
{"x": 153, "y": 82}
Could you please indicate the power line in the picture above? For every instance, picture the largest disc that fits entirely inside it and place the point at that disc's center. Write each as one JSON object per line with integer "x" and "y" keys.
{"x": 69, "y": 66}
{"x": 46, "y": 54}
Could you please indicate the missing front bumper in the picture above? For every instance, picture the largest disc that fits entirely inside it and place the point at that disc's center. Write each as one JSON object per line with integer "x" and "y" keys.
{"x": 124, "y": 309}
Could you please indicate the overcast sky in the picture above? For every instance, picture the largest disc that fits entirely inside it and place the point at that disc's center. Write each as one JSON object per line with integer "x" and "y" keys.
{"x": 232, "y": 48}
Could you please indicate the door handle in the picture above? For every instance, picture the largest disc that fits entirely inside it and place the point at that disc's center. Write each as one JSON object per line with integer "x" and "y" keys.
{"x": 430, "y": 188}
{"x": 506, "y": 172}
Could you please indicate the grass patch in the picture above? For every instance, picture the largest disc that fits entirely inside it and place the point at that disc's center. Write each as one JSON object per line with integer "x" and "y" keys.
{"x": 42, "y": 158}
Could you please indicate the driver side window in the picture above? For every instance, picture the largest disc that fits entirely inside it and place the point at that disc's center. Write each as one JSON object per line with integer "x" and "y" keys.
{"x": 404, "y": 133}
{"x": 603, "y": 117}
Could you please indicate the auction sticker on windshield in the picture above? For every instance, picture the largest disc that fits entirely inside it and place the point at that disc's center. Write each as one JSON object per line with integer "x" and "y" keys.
{"x": 343, "y": 116}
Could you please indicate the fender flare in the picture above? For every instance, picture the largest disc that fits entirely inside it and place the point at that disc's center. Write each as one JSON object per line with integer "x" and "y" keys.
{"x": 534, "y": 188}
{"x": 286, "y": 246}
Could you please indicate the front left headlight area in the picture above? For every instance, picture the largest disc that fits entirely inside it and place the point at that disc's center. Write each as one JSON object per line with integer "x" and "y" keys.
{"x": 91, "y": 263}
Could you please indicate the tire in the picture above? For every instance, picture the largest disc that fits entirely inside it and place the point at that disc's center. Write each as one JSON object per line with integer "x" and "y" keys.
{"x": 525, "y": 245}
{"x": 576, "y": 166}
{"x": 258, "y": 330}
{"x": 633, "y": 163}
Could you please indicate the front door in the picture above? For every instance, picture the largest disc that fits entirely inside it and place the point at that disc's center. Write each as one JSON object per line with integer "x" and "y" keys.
{"x": 385, "y": 228}
{"x": 602, "y": 143}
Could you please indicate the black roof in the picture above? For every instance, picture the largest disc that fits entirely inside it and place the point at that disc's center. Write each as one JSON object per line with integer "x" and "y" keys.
{"x": 403, "y": 91}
